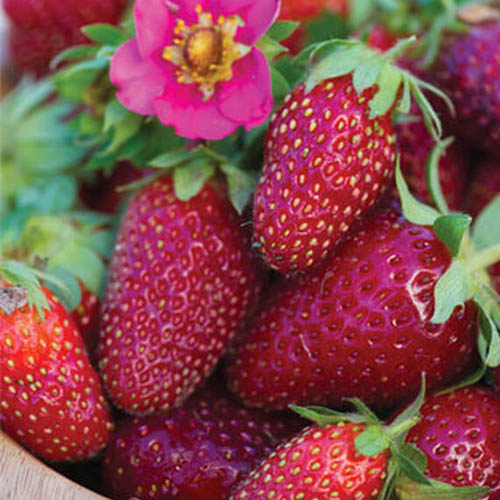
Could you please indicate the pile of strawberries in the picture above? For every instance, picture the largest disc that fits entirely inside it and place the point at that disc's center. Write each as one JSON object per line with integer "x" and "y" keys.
{"x": 306, "y": 309}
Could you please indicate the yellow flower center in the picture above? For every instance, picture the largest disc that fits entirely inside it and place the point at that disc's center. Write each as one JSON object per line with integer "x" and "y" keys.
{"x": 204, "y": 53}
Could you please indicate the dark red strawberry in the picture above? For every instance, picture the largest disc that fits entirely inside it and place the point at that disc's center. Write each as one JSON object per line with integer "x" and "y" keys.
{"x": 415, "y": 144}
{"x": 86, "y": 318}
{"x": 468, "y": 69}
{"x": 359, "y": 325}
{"x": 42, "y": 28}
{"x": 197, "y": 452}
{"x": 319, "y": 463}
{"x": 104, "y": 195}
{"x": 460, "y": 435}
{"x": 326, "y": 162}
{"x": 181, "y": 280}
{"x": 51, "y": 400}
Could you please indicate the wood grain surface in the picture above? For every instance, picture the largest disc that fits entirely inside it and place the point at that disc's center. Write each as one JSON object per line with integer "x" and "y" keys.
{"x": 23, "y": 477}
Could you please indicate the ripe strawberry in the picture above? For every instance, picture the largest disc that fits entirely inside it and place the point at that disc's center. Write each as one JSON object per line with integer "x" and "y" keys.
{"x": 460, "y": 435}
{"x": 51, "y": 399}
{"x": 86, "y": 318}
{"x": 181, "y": 280}
{"x": 416, "y": 144}
{"x": 197, "y": 452}
{"x": 319, "y": 463}
{"x": 300, "y": 10}
{"x": 326, "y": 162}
{"x": 42, "y": 28}
{"x": 468, "y": 69}
{"x": 359, "y": 325}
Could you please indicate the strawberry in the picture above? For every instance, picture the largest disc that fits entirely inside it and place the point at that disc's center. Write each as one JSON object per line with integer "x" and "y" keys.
{"x": 197, "y": 452}
{"x": 325, "y": 164}
{"x": 319, "y": 463}
{"x": 416, "y": 144}
{"x": 181, "y": 279}
{"x": 468, "y": 69}
{"x": 346, "y": 456}
{"x": 300, "y": 10}
{"x": 359, "y": 325}
{"x": 42, "y": 28}
{"x": 51, "y": 400}
{"x": 330, "y": 151}
{"x": 460, "y": 435}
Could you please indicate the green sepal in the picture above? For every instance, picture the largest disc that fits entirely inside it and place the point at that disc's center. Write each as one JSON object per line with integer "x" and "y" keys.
{"x": 17, "y": 273}
{"x": 416, "y": 455}
{"x": 410, "y": 468}
{"x": 489, "y": 339}
{"x": 105, "y": 34}
{"x": 408, "y": 490}
{"x": 413, "y": 210}
{"x": 389, "y": 483}
{"x": 363, "y": 409}
{"x": 241, "y": 184}
{"x": 471, "y": 379}
{"x": 190, "y": 179}
{"x": 453, "y": 289}
{"x": 432, "y": 174}
{"x": 171, "y": 159}
{"x": 74, "y": 53}
{"x": 325, "y": 416}
{"x": 486, "y": 228}
{"x": 282, "y": 29}
{"x": 451, "y": 229}
{"x": 65, "y": 286}
{"x": 270, "y": 47}
{"x": 372, "y": 441}
{"x": 279, "y": 84}
{"x": 389, "y": 82}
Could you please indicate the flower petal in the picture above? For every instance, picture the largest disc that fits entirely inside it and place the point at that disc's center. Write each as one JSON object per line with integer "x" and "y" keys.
{"x": 184, "y": 109}
{"x": 247, "y": 98}
{"x": 139, "y": 80}
{"x": 257, "y": 15}
{"x": 187, "y": 10}
{"x": 154, "y": 23}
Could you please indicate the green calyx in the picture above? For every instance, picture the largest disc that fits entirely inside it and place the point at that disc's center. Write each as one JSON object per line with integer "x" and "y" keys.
{"x": 60, "y": 251}
{"x": 405, "y": 475}
{"x": 395, "y": 86}
{"x": 473, "y": 248}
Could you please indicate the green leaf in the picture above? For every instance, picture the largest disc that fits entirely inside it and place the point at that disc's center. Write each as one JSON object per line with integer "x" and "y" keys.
{"x": 105, "y": 34}
{"x": 190, "y": 179}
{"x": 114, "y": 114}
{"x": 361, "y": 12}
{"x": 123, "y": 131}
{"x": 91, "y": 66}
{"x": 486, "y": 229}
{"x": 171, "y": 159}
{"x": 389, "y": 82}
{"x": 408, "y": 490}
{"x": 372, "y": 441}
{"x": 367, "y": 73}
{"x": 432, "y": 174}
{"x": 410, "y": 468}
{"x": 280, "y": 85}
{"x": 241, "y": 185}
{"x": 19, "y": 274}
{"x": 76, "y": 52}
{"x": 450, "y": 229}
{"x": 325, "y": 416}
{"x": 453, "y": 289}
{"x": 66, "y": 287}
{"x": 415, "y": 455}
{"x": 282, "y": 29}
{"x": 414, "y": 211}
{"x": 490, "y": 336}
{"x": 271, "y": 48}
{"x": 412, "y": 410}
{"x": 101, "y": 242}
{"x": 12, "y": 225}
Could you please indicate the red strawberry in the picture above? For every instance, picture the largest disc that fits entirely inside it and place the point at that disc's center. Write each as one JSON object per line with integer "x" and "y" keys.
{"x": 42, "y": 28}
{"x": 359, "y": 325}
{"x": 197, "y": 452}
{"x": 326, "y": 162}
{"x": 51, "y": 399}
{"x": 460, "y": 435}
{"x": 468, "y": 69}
{"x": 319, "y": 463}
{"x": 86, "y": 318}
{"x": 300, "y": 10}
{"x": 181, "y": 280}
{"x": 416, "y": 144}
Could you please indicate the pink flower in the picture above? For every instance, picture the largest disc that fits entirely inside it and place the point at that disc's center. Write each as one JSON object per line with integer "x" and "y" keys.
{"x": 194, "y": 65}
